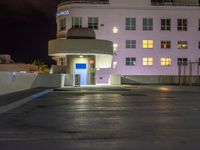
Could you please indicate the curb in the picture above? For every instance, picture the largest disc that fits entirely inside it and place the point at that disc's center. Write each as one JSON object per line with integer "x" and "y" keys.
{"x": 16, "y": 104}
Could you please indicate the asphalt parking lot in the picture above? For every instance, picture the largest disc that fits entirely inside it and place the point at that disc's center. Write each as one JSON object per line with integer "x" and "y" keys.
{"x": 139, "y": 118}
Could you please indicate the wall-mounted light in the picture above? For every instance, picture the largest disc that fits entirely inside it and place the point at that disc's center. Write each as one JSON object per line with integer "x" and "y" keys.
{"x": 114, "y": 64}
{"x": 81, "y": 56}
{"x": 115, "y": 30}
{"x": 115, "y": 46}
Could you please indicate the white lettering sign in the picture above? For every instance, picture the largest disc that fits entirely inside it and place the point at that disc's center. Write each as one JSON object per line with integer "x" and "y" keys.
{"x": 62, "y": 13}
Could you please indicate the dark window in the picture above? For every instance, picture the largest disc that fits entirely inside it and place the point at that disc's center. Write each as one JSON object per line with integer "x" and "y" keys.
{"x": 182, "y": 24}
{"x": 130, "y": 61}
{"x": 93, "y": 23}
{"x": 182, "y": 61}
{"x": 165, "y": 24}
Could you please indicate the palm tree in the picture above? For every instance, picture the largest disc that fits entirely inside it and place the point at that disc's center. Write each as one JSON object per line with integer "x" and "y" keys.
{"x": 42, "y": 67}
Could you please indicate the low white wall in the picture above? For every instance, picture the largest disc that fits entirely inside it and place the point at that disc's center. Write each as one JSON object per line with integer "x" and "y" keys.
{"x": 115, "y": 79}
{"x": 13, "y": 81}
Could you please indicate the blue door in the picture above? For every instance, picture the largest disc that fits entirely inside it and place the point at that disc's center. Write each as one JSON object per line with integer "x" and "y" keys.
{"x": 81, "y": 69}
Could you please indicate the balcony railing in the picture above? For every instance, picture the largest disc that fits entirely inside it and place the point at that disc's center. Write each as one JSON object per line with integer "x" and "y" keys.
{"x": 173, "y": 3}
{"x": 66, "y": 2}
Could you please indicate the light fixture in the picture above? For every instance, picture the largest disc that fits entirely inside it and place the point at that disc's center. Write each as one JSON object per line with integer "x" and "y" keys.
{"x": 81, "y": 56}
{"x": 115, "y": 46}
{"x": 114, "y": 64}
{"x": 115, "y": 30}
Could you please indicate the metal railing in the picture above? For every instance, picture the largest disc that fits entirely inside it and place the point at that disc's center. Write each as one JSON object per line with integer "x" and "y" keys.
{"x": 83, "y": 2}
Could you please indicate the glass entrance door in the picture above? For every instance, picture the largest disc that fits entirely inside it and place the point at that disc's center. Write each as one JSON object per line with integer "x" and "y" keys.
{"x": 81, "y": 68}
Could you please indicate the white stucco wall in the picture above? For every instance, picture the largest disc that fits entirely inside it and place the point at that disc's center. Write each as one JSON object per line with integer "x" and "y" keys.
{"x": 13, "y": 82}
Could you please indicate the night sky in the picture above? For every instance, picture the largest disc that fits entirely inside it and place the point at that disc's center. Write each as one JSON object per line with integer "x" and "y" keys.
{"x": 25, "y": 28}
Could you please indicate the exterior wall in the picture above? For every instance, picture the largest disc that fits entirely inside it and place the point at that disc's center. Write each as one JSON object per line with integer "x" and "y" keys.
{"x": 18, "y": 67}
{"x": 114, "y": 14}
{"x": 13, "y": 82}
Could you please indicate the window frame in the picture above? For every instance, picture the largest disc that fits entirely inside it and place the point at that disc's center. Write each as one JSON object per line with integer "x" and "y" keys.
{"x": 182, "y": 24}
{"x": 165, "y": 24}
{"x": 94, "y": 24}
{"x": 165, "y": 62}
{"x": 76, "y": 22}
{"x": 62, "y": 24}
{"x": 180, "y": 44}
{"x": 130, "y": 44}
{"x": 130, "y": 23}
{"x": 147, "y": 61}
{"x": 147, "y": 24}
{"x": 130, "y": 61}
{"x": 165, "y": 44}
{"x": 146, "y": 44}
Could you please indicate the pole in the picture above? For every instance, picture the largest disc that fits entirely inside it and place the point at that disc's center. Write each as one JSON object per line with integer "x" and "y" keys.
{"x": 190, "y": 63}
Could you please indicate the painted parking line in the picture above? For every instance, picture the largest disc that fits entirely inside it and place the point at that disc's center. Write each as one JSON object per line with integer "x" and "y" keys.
{"x": 18, "y": 103}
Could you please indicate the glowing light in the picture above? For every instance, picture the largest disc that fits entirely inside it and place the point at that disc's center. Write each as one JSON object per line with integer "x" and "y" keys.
{"x": 114, "y": 64}
{"x": 81, "y": 56}
{"x": 115, "y": 30}
{"x": 164, "y": 89}
{"x": 115, "y": 46}
{"x": 91, "y": 62}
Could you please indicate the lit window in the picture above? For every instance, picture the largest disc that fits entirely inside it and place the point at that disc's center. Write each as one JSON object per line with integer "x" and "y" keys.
{"x": 182, "y": 45}
{"x": 182, "y": 24}
{"x": 130, "y": 23}
{"x": 130, "y": 43}
{"x": 147, "y": 61}
{"x": 76, "y": 22}
{"x": 165, "y": 61}
{"x": 147, "y": 24}
{"x": 165, "y": 24}
{"x": 93, "y": 23}
{"x": 115, "y": 30}
{"x": 182, "y": 61}
{"x": 147, "y": 44}
{"x": 165, "y": 44}
{"x": 62, "y": 24}
{"x": 115, "y": 46}
{"x": 130, "y": 61}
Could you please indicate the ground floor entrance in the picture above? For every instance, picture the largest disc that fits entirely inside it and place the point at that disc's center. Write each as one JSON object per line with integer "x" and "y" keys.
{"x": 83, "y": 66}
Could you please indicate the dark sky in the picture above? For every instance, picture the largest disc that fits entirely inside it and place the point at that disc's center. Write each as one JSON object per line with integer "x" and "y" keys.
{"x": 25, "y": 28}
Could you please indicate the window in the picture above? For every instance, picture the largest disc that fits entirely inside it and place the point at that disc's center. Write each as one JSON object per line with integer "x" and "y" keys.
{"x": 147, "y": 24}
{"x": 165, "y": 24}
{"x": 199, "y": 44}
{"x": 130, "y": 61}
{"x": 182, "y": 25}
{"x": 76, "y": 22}
{"x": 199, "y": 24}
{"x": 147, "y": 61}
{"x": 93, "y": 23}
{"x": 165, "y": 61}
{"x": 147, "y": 44}
{"x": 182, "y": 61}
{"x": 182, "y": 45}
{"x": 62, "y": 24}
{"x": 165, "y": 44}
{"x": 199, "y": 62}
{"x": 130, "y": 43}
{"x": 130, "y": 23}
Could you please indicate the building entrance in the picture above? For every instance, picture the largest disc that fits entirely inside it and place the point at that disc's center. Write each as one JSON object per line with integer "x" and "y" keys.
{"x": 81, "y": 69}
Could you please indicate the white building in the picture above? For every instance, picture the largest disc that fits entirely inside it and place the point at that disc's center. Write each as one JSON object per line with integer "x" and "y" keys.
{"x": 150, "y": 37}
